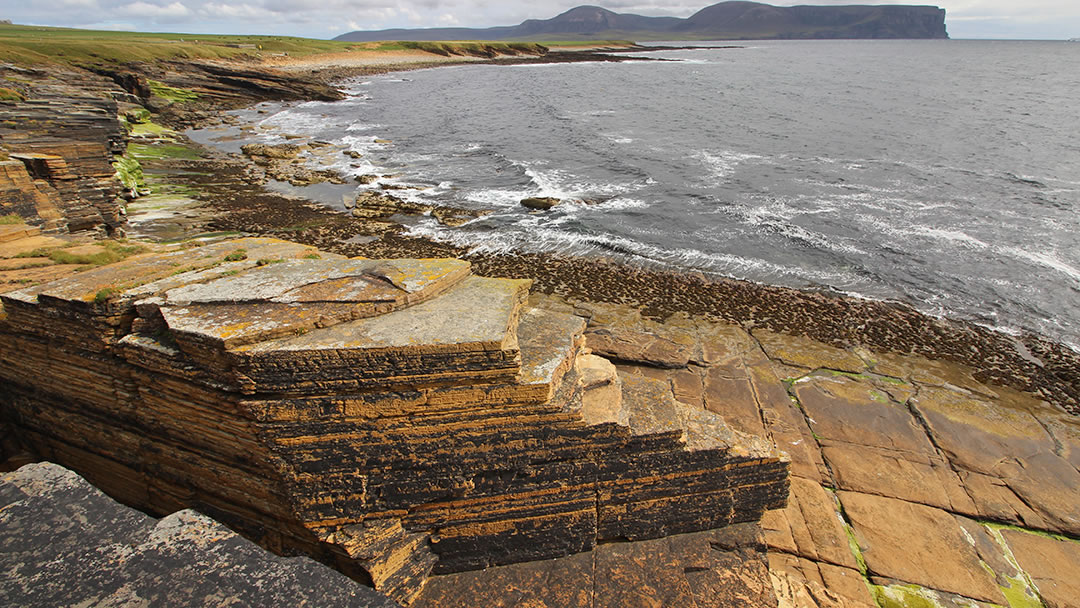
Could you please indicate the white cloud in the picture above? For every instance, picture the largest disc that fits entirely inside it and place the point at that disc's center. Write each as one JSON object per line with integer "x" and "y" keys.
{"x": 233, "y": 11}
{"x": 965, "y": 18}
{"x": 155, "y": 11}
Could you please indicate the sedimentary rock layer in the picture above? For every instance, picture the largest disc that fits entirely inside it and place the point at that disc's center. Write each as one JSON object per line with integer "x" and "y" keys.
{"x": 394, "y": 418}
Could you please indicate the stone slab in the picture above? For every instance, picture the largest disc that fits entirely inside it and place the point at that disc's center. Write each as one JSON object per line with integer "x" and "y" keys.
{"x": 64, "y": 543}
{"x": 715, "y": 569}
{"x": 810, "y": 526}
{"x": 1007, "y": 444}
{"x": 804, "y": 583}
{"x": 842, "y": 409}
{"x": 478, "y": 313}
{"x": 143, "y": 269}
{"x": 295, "y": 296}
{"x": 807, "y": 353}
{"x": 1051, "y": 563}
{"x": 937, "y": 552}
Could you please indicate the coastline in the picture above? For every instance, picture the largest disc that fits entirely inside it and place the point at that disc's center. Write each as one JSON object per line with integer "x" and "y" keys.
{"x": 1026, "y": 362}
{"x": 894, "y": 420}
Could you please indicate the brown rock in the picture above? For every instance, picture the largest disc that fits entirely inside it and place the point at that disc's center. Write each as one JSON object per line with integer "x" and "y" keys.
{"x": 804, "y": 352}
{"x": 1052, "y": 565}
{"x": 842, "y": 409}
{"x": 802, "y": 583}
{"x": 717, "y": 569}
{"x": 990, "y": 439}
{"x": 638, "y": 347}
{"x": 936, "y": 552}
{"x": 730, "y": 392}
{"x": 926, "y": 480}
{"x": 279, "y": 151}
{"x": 810, "y": 526}
{"x": 541, "y": 203}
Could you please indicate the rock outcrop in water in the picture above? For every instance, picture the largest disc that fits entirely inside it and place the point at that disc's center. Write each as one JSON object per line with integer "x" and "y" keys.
{"x": 723, "y": 21}
{"x": 392, "y": 417}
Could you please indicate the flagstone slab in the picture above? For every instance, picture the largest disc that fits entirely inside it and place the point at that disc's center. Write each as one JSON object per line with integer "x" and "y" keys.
{"x": 1052, "y": 565}
{"x": 936, "y": 552}
{"x": 1007, "y": 444}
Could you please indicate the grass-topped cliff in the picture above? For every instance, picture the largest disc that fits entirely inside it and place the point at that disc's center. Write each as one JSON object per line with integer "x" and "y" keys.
{"x": 34, "y": 45}
{"x": 37, "y": 46}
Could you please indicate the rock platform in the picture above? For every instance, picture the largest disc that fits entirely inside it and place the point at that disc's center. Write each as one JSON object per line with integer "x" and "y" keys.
{"x": 394, "y": 418}
{"x": 912, "y": 482}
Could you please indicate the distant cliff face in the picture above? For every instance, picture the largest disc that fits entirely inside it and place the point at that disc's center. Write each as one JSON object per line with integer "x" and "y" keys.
{"x": 726, "y": 20}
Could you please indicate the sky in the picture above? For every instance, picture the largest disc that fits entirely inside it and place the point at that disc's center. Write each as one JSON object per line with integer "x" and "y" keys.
{"x": 1023, "y": 19}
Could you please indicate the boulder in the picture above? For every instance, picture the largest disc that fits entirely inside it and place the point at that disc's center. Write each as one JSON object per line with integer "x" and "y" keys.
{"x": 542, "y": 203}
{"x": 271, "y": 150}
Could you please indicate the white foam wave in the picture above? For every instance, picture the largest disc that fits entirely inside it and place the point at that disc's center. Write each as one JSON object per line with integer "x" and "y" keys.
{"x": 1049, "y": 260}
{"x": 720, "y": 165}
{"x": 362, "y": 126}
{"x": 537, "y": 233}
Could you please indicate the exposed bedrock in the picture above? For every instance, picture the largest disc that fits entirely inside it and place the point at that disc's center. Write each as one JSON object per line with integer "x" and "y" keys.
{"x": 392, "y": 417}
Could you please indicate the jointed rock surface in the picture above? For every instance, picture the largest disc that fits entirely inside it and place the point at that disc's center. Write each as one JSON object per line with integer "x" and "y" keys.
{"x": 394, "y": 418}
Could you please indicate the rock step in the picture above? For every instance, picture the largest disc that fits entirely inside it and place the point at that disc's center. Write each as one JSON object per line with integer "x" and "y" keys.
{"x": 397, "y": 562}
{"x": 17, "y": 231}
{"x": 295, "y": 297}
{"x": 549, "y": 344}
{"x": 64, "y": 543}
{"x": 650, "y": 407}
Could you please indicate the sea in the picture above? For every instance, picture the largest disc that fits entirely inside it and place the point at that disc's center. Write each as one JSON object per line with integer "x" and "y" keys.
{"x": 944, "y": 174}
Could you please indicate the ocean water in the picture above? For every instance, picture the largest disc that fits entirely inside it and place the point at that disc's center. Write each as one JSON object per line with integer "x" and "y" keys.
{"x": 942, "y": 174}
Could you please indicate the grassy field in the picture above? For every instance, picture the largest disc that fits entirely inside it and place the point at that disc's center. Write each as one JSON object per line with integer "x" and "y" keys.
{"x": 34, "y": 45}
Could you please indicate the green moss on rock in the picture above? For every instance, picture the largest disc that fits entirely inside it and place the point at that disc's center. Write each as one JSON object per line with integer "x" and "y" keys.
{"x": 129, "y": 172}
{"x": 10, "y": 95}
{"x": 171, "y": 94}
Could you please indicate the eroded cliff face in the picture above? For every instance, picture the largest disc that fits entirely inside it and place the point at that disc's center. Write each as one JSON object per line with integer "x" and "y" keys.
{"x": 64, "y": 133}
{"x": 393, "y": 417}
{"x": 65, "y": 127}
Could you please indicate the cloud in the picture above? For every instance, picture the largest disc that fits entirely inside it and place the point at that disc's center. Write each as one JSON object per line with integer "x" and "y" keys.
{"x": 174, "y": 11}
{"x": 972, "y": 18}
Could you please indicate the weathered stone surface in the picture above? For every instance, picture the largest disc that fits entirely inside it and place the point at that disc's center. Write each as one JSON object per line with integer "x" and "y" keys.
{"x": 810, "y": 526}
{"x": 716, "y": 569}
{"x": 806, "y": 353}
{"x": 1007, "y": 444}
{"x": 639, "y": 347}
{"x": 64, "y": 543}
{"x": 1052, "y": 565}
{"x": 803, "y": 583}
{"x": 937, "y": 553}
{"x": 927, "y": 480}
{"x": 297, "y": 296}
{"x": 843, "y": 410}
{"x": 601, "y": 400}
{"x": 941, "y": 374}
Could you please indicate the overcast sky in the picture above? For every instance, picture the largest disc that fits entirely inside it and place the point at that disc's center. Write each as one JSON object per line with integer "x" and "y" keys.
{"x": 1032, "y": 19}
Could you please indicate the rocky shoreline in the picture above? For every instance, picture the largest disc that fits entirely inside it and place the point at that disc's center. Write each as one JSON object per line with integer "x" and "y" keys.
{"x": 894, "y": 420}
{"x": 1029, "y": 362}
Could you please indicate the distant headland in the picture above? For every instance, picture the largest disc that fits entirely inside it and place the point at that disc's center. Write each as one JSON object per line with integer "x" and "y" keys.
{"x": 734, "y": 20}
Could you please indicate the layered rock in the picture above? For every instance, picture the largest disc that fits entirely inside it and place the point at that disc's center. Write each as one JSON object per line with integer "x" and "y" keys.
{"x": 393, "y": 417}
{"x": 65, "y": 135}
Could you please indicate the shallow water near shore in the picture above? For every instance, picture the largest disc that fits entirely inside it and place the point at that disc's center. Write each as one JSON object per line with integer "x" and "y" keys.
{"x": 943, "y": 174}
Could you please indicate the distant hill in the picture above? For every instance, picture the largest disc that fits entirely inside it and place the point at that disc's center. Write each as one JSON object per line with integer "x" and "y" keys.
{"x": 723, "y": 21}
